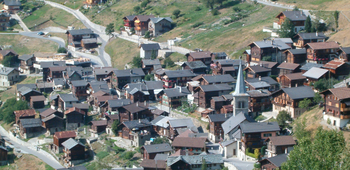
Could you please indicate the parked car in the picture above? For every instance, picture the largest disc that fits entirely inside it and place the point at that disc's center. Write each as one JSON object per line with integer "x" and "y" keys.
{"x": 41, "y": 33}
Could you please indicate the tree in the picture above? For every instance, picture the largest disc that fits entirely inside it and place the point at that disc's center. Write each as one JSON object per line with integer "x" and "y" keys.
{"x": 149, "y": 77}
{"x": 115, "y": 125}
{"x": 109, "y": 29}
{"x": 204, "y": 164}
{"x": 323, "y": 84}
{"x": 304, "y": 104}
{"x": 215, "y": 12}
{"x": 136, "y": 62}
{"x": 137, "y": 9}
{"x": 132, "y": 30}
{"x": 9, "y": 107}
{"x": 317, "y": 98}
{"x": 287, "y": 29}
{"x": 308, "y": 24}
{"x": 168, "y": 62}
{"x": 160, "y": 140}
{"x": 299, "y": 129}
{"x": 9, "y": 60}
{"x": 326, "y": 151}
{"x": 176, "y": 13}
{"x": 257, "y": 153}
{"x": 147, "y": 34}
{"x": 209, "y": 3}
{"x": 296, "y": 8}
{"x": 336, "y": 18}
{"x": 144, "y": 4}
{"x": 62, "y": 50}
{"x": 282, "y": 117}
{"x": 153, "y": 54}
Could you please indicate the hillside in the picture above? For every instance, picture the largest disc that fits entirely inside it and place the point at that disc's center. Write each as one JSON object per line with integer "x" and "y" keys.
{"x": 328, "y": 5}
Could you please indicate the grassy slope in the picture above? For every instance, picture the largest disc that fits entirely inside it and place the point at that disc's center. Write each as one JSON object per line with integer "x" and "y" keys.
{"x": 60, "y": 18}
{"x": 27, "y": 162}
{"x": 121, "y": 52}
{"x": 11, "y": 92}
{"x": 27, "y": 45}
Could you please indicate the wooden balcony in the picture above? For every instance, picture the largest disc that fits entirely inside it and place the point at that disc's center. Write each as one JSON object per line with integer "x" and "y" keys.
{"x": 344, "y": 109}
{"x": 344, "y": 116}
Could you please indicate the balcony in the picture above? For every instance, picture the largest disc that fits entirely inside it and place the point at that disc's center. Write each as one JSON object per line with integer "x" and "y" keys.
{"x": 278, "y": 104}
{"x": 344, "y": 109}
{"x": 344, "y": 116}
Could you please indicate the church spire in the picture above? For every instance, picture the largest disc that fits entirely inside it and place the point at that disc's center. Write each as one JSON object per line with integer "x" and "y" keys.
{"x": 240, "y": 85}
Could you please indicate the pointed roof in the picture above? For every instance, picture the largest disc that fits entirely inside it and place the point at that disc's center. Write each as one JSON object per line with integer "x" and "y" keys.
{"x": 240, "y": 85}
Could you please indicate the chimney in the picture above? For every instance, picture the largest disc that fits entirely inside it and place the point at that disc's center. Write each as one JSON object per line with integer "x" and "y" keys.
{"x": 137, "y": 104}
{"x": 225, "y": 115}
{"x": 259, "y": 78}
{"x": 272, "y": 41}
{"x": 296, "y": 85}
{"x": 286, "y": 150}
{"x": 145, "y": 103}
{"x": 139, "y": 120}
{"x": 186, "y": 151}
{"x": 316, "y": 34}
{"x": 180, "y": 89}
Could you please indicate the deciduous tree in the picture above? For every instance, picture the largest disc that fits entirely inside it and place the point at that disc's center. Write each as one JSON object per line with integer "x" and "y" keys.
{"x": 282, "y": 117}
{"x": 287, "y": 29}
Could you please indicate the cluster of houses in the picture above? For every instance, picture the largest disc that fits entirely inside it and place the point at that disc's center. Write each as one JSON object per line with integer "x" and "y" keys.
{"x": 142, "y": 23}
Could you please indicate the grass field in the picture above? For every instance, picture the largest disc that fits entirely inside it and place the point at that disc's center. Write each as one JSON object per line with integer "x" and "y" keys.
{"x": 27, "y": 162}
{"x": 50, "y": 16}
{"x": 121, "y": 52}
{"x": 28, "y": 45}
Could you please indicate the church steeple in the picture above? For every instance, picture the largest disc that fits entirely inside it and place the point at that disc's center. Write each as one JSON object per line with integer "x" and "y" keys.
{"x": 240, "y": 85}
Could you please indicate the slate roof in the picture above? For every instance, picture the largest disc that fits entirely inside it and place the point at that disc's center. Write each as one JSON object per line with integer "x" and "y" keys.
{"x": 104, "y": 70}
{"x": 185, "y": 122}
{"x": 47, "y": 112}
{"x": 89, "y": 40}
{"x": 234, "y": 121}
{"x": 99, "y": 86}
{"x": 149, "y": 47}
{"x": 58, "y": 81}
{"x": 219, "y": 117}
{"x": 282, "y": 140}
{"x": 156, "y": 20}
{"x": 99, "y": 123}
{"x": 295, "y": 76}
{"x": 297, "y": 51}
{"x": 148, "y": 62}
{"x": 200, "y": 55}
{"x": 72, "y": 70}
{"x": 189, "y": 142}
{"x": 130, "y": 17}
{"x": 266, "y": 79}
{"x": 225, "y": 78}
{"x": 65, "y": 134}
{"x": 259, "y": 93}
{"x": 80, "y": 32}
{"x": 81, "y": 105}
{"x": 161, "y": 121}
{"x": 285, "y": 40}
{"x": 216, "y": 87}
{"x": 300, "y": 92}
{"x": 218, "y": 99}
{"x": 229, "y": 62}
{"x": 175, "y": 92}
{"x": 6, "y": 70}
{"x": 308, "y": 66}
{"x": 161, "y": 156}
{"x": 25, "y": 90}
{"x": 346, "y": 50}
{"x": 258, "y": 69}
{"x": 135, "y": 107}
{"x": 195, "y": 64}
{"x": 278, "y": 160}
{"x": 260, "y": 84}
{"x": 153, "y": 164}
{"x": 31, "y": 86}
{"x": 156, "y": 148}
{"x": 179, "y": 73}
{"x": 25, "y": 57}
{"x": 220, "y": 54}
{"x": 312, "y": 36}
{"x": 196, "y": 159}
{"x": 129, "y": 72}
{"x": 136, "y": 124}
{"x": 255, "y": 127}
{"x": 118, "y": 102}
{"x": 12, "y": 2}
{"x": 52, "y": 63}
{"x": 288, "y": 66}
{"x": 152, "y": 85}
{"x": 295, "y": 15}
{"x": 37, "y": 98}
{"x": 269, "y": 44}
{"x": 68, "y": 97}
{"x": 323, "y": 45}
{"x": 71, "y": 143}
{"x": 44, "y": 85}
{"x": 50, "y": 118}
{"x": 29, "y": 123}
{"x": 315, "y": 73}
{"x": 79, "y": 83}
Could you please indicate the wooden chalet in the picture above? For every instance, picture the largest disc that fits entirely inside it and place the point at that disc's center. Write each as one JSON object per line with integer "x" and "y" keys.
{"x": 279, "y": 145}
{"x": 174, "y": 78}
{"x": 59, "y": 138}
{"x": 3, "y": 156}
{"x": 208, "y": 79}
{"x": 119, "y": 78}
{"x": 24, "y": 114}
{"x": 260, "y": 100}
{"x": 268, "y": 48}
{"x": 30, "y": 127}
{"x": 176, "y": 126}
{"x": 338, "y": 68}
{"x": 173, "y": 97}
{"x": 150, "y": 151}
{"x": 301, "y": 39}
{"x": 112, "y": 105}
{"x": 49, "y": 112}
{"x": 74, "y": 118}
{"x": 206, "y": 92}
{"x": 197, "y": 67}
{"x": 287, "y": 68}
{"x": 141, "y": 24}
{"x": 262, "y": 83}
{"x": 216, "y": 133}
{"x": 37, "y": 102}
{"x": 101, "y": 72}
{"x": 195, "y": 145}
{"x": 137, "y": 131}
{"x": 292, "y": 80}
{"x": 297, "y": 18}
{"x": 26, "y": 63}
{"x": 315, "y": 74}
{"x": 134, "y": 111}
{"x": 225, "y": 67}
{"x": 204, "y": 56}
{"x": 321, "y": 52}
{"x": 161, "y": 126}
{"x": 73, "y": 150}
{"x": 79, "y": 88}
{"x": 296, "y": 56}
{"x": 82, "y": 38}
{"x": 344, "y": 54}
{"x": 257, "y": 71}
{"x": 218, "y": 102}
{"x": 53, "y": 123}
{"x": 98, "y": 126}
{"x": 273, "y": 162}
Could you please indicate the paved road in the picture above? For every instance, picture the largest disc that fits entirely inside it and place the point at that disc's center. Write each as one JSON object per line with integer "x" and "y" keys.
{"x": 98, "y": 29}
{"x": 20, "y": 22}
{"x": 29, "y": 148}
{"x": 240, "y": 165}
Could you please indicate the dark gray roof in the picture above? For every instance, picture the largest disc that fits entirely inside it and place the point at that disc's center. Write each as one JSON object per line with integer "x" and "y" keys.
{"x": 312, "y": 36}
{"x": 198, "y": 135}
{"x": 79, "y": 83}
{"x": 259, "y": 69}
{"x": 99, "y": 86}
{"x": 89, "y": 40}
{"x": 216, "y": 87}
{"x": 278, "y": 160}
{"x": 308, "y": 66}
{"x": 45, "y": 85}
{"x": 224, "y": 62}
{"x": 300, "y": 92}
{"x": 195, "y": 64}
{"x": 161, "y": 121}
{"x": 315, "y": 73}
{"x": 178, "y": 123}
{"x": 220, "y": 54}
{"x": 225, "y": 78}
{"x": 175, "y": 92}
{"x": 68, "y": 97}
{"x": 118, "y": 102}
{"x": 295, "y": 15}
{"x": 25, "y": 90}
{"x": 12, "y": 2}
{"x": 152, "y": 85}
{"x": 130, "y": 17}
{"x": 156, "y": 148}
{"x": 72, "y": 70}
{"x": 52, "y": 64}
{"x": 6, "y": 70}
{"x": 71, "y": 143}
{"x": 25, "y": 57}
{"x": 81, "y": 105}
{"x": 346, "y": 50}
{"x": 52, "y": 116}
{"x": 139, "y": 86}
{"x": 272, "y": 44}
{"x": 58, "y": 81}
{"x": 267, "y": 79}
{"x": 80, "y": 32}
{"x": 149, "y": 47}
{"x": 156, "y": 20}
{"x": 29, "y": 123}
{"x": 104, "y": 70}
{"x": 136, "y": 124}
{"x": 218, "y": 99}
{"x": 297, "y": 51}
{"x": 255, "y": 127}
{"x": 161, "y": 156}
{"x": 150, "y": 62}
{"x": 233, "y": 122}
{"x": 129, "y": 72}
{"x": 260, "y": 84}
{"x": 196, "y": 159}
{"x": 31, "y": 86}
{"x": 179, "y": 73}
{"x": 259, "y": 93}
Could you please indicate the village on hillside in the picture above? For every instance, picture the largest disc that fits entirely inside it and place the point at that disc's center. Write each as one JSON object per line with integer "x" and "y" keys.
{"x": 210, "y": 111}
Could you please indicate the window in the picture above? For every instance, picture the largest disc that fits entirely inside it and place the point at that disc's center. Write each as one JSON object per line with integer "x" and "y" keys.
{"x": 240, "y": 104}
{"x": 267, "y": 134}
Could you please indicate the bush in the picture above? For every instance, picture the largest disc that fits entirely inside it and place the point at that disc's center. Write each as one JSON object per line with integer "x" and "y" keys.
{"x": 328, "y": 121}
{"x": 147, "y": 34}
{"x": 118, "y": 149}
{"x": 127, "y": 155}
{"x": 257, "y": 165}
{"x": 257, "y": 153}
{"x": 62, "y": 50}
{"x": 102, "y": 154}
{"x": 169, "y": 63}
{"x": 267, "y": 58}
{"x": 176, "y": 13}
{"x": 197, "y": 24}
{"x": 136, "y": 62}
{"x": 10, "y": 60}
{"x": 160, "y": 140}
{"x": 149, "y": 77}
{"x": 198, "y": 8}
{"x": 137, "y": 9}
{"x": 215, "y": 12}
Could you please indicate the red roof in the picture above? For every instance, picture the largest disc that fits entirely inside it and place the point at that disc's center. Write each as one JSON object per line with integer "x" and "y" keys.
{"x": 70, "y": 110}
{"x": 65, "y": 134}
{"x": 25, "y": 113}
{"x": 334, "y": 64}
{"x": 323, "y": 45}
